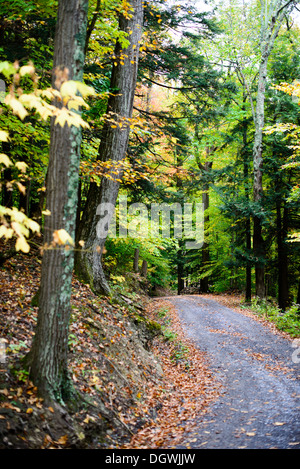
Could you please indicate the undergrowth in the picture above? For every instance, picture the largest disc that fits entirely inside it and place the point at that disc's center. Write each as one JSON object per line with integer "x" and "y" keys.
{"x": 288, "y": 321}
{"x": 179, "y": 351}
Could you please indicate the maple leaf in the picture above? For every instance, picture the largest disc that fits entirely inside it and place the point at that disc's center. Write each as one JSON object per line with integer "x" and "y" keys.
{"x": 5, "y": 160}
{"x": 17, "y": 106}
{"x": 27, "y": 70}
{"x": 61, "y": 237}
{"x": 22, "y": 245}
{"x": 4, "y": 136}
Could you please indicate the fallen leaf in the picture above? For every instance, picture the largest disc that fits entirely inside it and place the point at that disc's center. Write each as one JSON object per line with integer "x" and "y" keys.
{"x": 62, "y": 440}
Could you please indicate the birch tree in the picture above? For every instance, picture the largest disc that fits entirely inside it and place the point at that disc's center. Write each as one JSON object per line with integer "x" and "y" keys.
{"x": 245, "y": 49}
{"x": 272, "y": 15}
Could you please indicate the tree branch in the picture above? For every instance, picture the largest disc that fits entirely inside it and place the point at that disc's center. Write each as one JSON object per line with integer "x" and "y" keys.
{"x": 92, "y": 25}
{"x": 182, "y": 88}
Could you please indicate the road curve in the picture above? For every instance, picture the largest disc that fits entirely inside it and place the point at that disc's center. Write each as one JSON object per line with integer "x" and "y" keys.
{"x": 259, "y": 403}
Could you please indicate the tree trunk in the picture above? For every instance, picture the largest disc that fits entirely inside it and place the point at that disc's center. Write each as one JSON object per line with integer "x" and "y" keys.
{"x": 258, "y": 242}
{"x": 248, "y": 289}
{"x": 144, "y": 269}
{"x": 283, "y": 289}
{"x": 204, "y": 288}
{"x": 136, "y": 260}
{"x": 272, "y": 16}
{"x": 180, "y": 272}
{"x": 47, "y": 358}
{"x": 101, "y": 200}
{"x": 298, "y": 298}
{"x": 248, "y": 292}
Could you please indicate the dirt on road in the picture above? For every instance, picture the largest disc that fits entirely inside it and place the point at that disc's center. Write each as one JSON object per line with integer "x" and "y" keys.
{"x": 259, "y": 403}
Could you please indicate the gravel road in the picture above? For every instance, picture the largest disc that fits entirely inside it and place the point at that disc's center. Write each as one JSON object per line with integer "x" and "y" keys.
{"x": 259, "y": 403}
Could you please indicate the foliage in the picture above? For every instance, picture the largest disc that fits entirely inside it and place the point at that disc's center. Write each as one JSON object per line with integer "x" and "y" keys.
{"x": 292, "y": 137}
{"x": 13, "y": 221}
{"x": 288, "y": 322}
{"x": 192, "y": 93}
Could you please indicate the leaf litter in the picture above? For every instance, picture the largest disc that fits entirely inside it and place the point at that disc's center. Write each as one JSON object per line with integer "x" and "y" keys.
{"x": 139, "y": 389}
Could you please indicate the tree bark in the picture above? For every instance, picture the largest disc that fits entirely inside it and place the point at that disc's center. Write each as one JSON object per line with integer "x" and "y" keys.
{"x": 248, "y": 289}
{"x": 101, "y": 200}
{"x": 180, "y": 271}
{"x": 144, "y": 269}
{"x": 298, "y": 298}
{"x": 272, "y": 15}
{"x": 258, "y": 242}
{"x": 136, "y": 260}
{"x": 47, "y": 359}
{"x": 204, "y": 287}
{"x": 282, "y": 228}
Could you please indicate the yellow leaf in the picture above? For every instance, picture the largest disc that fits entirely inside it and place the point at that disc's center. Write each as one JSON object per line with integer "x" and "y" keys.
{"x": 19, "y": 228}
{"x": 62, "y": 440}
{"x": 17, "y": 216}
{"x": 8, "y": 233}
{"x": 62, "y": 117}
{"x": 21, "y": 166}
{"x": 68, "y": 88}
{"x": 16, "y": 106}
{"x": 4, "y": 137}
{"x": 69, "y": 117}
{"x": 29, "y": 410}
{"x": 26, "y": 70}
{"x": 5, "y": 160}
{"x": 76, "y": 103}
{"x": 21, "y": 188}
{"x": 46, "y": 212}
{"x": 61, "y": 237}
{"x": 3, "y": 231}
{"x": 84, "y": 89}
{"x": 33, "y": 225}
{"x": 22, "y": 245}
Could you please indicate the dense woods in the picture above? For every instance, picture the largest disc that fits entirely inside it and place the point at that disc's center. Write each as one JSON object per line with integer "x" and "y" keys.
{"x": 159, "y": 139}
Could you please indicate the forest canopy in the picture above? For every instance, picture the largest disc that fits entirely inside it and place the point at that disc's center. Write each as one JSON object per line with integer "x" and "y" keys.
{"x": 176, "y": 124}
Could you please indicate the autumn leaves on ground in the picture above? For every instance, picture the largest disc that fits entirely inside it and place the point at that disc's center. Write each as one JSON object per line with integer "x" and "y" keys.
{"x": 140, "y": 381}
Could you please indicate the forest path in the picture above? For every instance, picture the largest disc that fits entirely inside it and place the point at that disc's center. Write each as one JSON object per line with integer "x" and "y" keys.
{"x": 259, "y": 403}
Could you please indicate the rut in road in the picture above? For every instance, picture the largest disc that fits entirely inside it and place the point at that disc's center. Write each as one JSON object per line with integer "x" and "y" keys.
{"x": 259, "y": 404}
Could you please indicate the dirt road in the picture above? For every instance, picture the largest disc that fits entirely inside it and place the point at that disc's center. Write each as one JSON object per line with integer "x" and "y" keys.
{"x": 259, "y": 405}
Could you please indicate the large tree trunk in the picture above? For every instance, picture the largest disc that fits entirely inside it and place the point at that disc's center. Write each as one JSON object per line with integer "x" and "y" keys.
{"x": 47, "y": 358}
{"x": 248, "y": 289}
{"x": 101, "y": 200}
{"x": 258, "y": 242}
{"x": 272, "y": 16}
